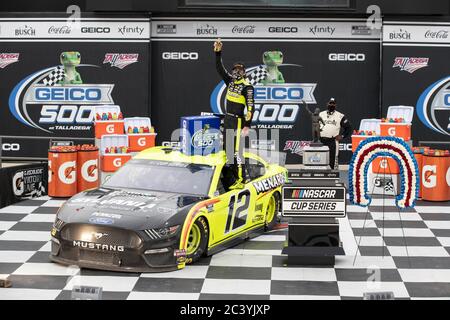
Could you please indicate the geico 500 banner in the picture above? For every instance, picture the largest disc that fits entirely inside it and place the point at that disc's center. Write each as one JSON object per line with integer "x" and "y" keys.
{"x": 288, "y": 61}
{"x": 55, "y": 72}
{"x": 416, "y": 73}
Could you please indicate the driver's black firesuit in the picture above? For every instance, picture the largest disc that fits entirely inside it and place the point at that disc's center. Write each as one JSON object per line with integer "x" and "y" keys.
{"x": 238, "y": 114}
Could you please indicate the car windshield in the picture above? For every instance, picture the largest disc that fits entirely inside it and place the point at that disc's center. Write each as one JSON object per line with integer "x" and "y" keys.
{"x": 166, "y": 176}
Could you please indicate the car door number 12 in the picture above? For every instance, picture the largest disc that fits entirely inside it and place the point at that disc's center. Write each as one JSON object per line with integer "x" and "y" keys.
{"x": 237, "y": 210}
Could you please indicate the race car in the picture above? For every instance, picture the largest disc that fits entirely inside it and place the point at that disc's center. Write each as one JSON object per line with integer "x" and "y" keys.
{"x": 164, "y": 209}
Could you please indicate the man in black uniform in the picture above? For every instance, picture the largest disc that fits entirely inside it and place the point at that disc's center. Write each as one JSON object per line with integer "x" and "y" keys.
{"x": 336, "y": 127}
{"x": 238, "y": 113}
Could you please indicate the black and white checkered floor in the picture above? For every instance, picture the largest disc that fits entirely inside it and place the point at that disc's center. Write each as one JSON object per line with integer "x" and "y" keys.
{"x": 253, "y": 270}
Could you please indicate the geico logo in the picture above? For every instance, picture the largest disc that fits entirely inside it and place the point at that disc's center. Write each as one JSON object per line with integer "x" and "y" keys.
{"x": 180, "y": 55}
{"x": 391, "y": 131}
{"x": 276, "y": 112}
{"x": 110, "y": 128}
{"x": 278, "y": 93}
{"x": 345, "y": 146}
{"x": 141, "y": 142}
{"x": 68, "y": 94}
{"x": 429, "y": 176}
{"x": 67, "y": 114}
{"x": 10, "y": 147}
{"x": 67, "y": 172}
{"x": 95, "y": 30}
{"x": 283, "y": 29}
{"x": 347, "y": 57}
{"x": 447, "y": 99}
{"x": 89, "y": 170}
{"x": 117, "y": 162}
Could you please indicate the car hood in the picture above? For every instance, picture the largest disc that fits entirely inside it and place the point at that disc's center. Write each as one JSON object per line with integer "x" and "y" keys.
{"x": 130, "y": 209}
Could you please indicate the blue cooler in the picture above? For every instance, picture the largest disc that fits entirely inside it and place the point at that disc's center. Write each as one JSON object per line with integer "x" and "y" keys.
{"x": 200, "y": 135}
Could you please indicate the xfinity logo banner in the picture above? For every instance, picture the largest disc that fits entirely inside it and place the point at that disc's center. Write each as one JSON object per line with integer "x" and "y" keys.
{"x": 257, "y": 28}
{"x": 35, "y": 29}
{"x": 433, "y": 106}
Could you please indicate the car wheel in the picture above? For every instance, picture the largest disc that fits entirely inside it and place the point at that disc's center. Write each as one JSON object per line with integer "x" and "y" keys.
{"x": 197, "y": 241}
{"x": 272, "y": 211}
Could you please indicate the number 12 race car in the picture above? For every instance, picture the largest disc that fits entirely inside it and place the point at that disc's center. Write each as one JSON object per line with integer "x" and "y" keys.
{"x": 163, "y": 210}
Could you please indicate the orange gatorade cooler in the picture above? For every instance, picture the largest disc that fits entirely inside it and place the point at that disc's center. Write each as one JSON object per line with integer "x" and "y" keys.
{"x": 398, "y": 122}
{"x": 367, "y": 128}
{"x": 113, "y": 162}
{"x": 114, "y": 152}
{"x": 139, "y": 142}
{"x": 63, "y": 163}
{"x": 140, "y": 133}
{"x": 436, "y": 175}
{"x": 87, "y": 168}
{"x": 385, "y": 165}
{"x": 108, "y": 120}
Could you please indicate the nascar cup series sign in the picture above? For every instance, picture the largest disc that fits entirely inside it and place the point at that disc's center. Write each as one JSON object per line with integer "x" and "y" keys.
{"x": 314, "y": 202}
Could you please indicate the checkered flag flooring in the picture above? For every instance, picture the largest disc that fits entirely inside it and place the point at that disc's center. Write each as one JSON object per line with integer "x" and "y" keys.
{"x": 255, "y": 269}
{"x": 54, "y": 76}
{"x": 257, "y": 75}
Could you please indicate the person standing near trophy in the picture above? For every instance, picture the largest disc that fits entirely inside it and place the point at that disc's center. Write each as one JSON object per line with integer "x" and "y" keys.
{"x": 336, "y": 127}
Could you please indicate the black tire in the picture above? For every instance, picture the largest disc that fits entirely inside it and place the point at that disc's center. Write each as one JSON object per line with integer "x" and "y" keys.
{"x": 204, "y": 237}
{"x": 273, "y": 222}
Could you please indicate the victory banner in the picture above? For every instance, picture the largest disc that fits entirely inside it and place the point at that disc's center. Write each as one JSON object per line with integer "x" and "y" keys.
{"x": 55, "y": 72}
{"x": 416, "y": 73}
{"x": 288, "y": 61}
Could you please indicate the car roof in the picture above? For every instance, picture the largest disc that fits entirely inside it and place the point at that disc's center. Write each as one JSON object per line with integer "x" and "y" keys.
{"x": 169, "y": 154}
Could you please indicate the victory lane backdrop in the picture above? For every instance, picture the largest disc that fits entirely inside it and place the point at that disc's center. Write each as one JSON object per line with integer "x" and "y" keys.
{"x": 354, "y": 84}
{"x": 33, "y": 56}
{"x": 405, "y": 84}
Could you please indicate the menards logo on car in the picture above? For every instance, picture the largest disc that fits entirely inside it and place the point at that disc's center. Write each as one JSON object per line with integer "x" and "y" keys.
{"x": 269, "y": 183}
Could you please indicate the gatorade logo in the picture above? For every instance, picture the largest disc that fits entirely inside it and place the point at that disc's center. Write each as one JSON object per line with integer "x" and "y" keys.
{"x": 89, "y": 170}
{"x": 67, "y": 172}
{"x": 429, "y": 176}
{"x": 110, "y": 128}
{"x": 391, "y": 131}
{"x": 50, "y": 173}
{"x": 141, "y": 142}
{"x": 383, "y": 164}
{"x": 117, "y": 162}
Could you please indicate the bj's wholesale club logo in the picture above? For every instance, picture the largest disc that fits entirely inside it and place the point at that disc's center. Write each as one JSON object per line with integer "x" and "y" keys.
{"x": 120, "y": 60}
{"x": 410, "y": 64}
{"x": 57, "y": 98}
{"x": 8, "y": 58}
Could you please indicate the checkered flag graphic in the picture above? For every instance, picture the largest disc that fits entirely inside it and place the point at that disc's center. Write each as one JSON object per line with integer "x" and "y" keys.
{"x": 54, "y": 76}
{"x": 257, "y": 75}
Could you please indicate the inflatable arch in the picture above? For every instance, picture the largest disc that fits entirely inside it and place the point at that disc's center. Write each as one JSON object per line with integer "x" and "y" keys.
{"x": 372, "y": 148}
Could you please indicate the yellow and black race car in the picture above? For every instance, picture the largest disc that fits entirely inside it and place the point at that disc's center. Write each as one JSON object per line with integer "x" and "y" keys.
{"x": 163, "y": 210}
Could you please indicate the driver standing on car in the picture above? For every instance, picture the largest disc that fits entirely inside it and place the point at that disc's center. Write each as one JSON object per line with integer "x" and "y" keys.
{"x": 238, "y": 112}
{"x": 336, "y": 127}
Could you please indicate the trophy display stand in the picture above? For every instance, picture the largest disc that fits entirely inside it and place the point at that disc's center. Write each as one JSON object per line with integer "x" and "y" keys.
{"x": 312, "y": 199}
